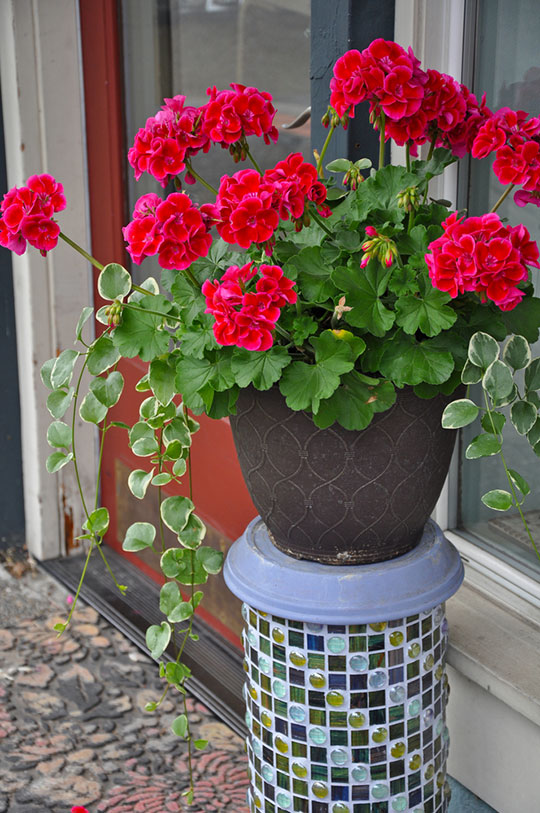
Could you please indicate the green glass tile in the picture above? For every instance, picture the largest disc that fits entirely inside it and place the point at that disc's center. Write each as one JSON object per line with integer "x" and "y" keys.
{"x": 269, "y": 806}
{"x": 354, "y": 629}
{"x": 266, "y": 683}
{"x": 378, "y": 772}
{"x": 299, "y": 787}
{"x": 296, "y": 638}
{"x": 375, "y": 642}
{"x": 254, "y": 674}
{"x": 337, "y": 663}
{"x": 377, "y": 716}
{"x": 267, "y": 737}
{"x": 413, "y": 743}
{"x": 266, "y": 701}
{"x": 296, "y": 625}
{"x": 397, "y": 786}
{"x": 315, "y": 660}
{"x": 413, "y": 631}
{"x": 317, "y": 716}
{"x": 278, "y": 653}
{"x": 414, "y": 780}
{"x": 253, "y": 619}
{"x": 279, "y": 670}
{"x": 436, "y": 635}
{"x": 319, "y": 772}
{"x": 359, "y": 738}
{"x": 340, "y": 774}
{"x": 426, "y": 625}
{"x": 397, "y": 768}
{"x": 264, "y": 645}
{"x": 297, "y": 694}
{"x": 264, "y": 627}
{"x": 300, "y": 805}
{"x": 413, "y": 725}
{"x": 377, "y": 699}
{"x": 361, "y": 755}
{"x": 413, "y": 669}
{"x": 377, "y": 660}
{"x": 277, "y": 620}
{"x": 283, "y": 781}
{"x": 299, "y": 749}
{"x": 281, "y": 708}
{"x": 338, "y": 737}
{"x": 427, "y": 643}
{"x": 258, "y": 782}
{"x": 338, "y": 719}
{"x": 282, "y": 763}
{"x": 256, "y": 728}
{"x": 357, "y": 643}
{"x": 396, "y": 713}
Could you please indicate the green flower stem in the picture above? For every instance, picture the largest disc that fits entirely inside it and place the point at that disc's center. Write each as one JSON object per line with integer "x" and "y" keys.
{"x": 253, "y": 161}
{"x": 408, "y": 156}
{"x": 121, "y": 587}
{"x": 431, "y": 150}
{"x": 318, "y": 219}
{"x": 73, "y": 419}
{"x": 161, "y": 528}
{"x": 283, "y": 332}
{"x": 381, "y": 139}
{"x": 200, "y": 178}
{"x": 411, "y": 221}
{"x": 84, "y": 253}
{"x": 510, "y": 481}
{"x": 502, "y": 198}
{"x": 320, "y": 171}
{"x": 141, "y": 290}
{"x": 133, "y": 307}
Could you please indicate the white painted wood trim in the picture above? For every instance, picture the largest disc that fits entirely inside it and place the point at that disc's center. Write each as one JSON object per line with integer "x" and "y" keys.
{"x": 44, "y": 126}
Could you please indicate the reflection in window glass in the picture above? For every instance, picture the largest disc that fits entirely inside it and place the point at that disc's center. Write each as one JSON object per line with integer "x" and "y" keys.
{"x": 507, "y": 69}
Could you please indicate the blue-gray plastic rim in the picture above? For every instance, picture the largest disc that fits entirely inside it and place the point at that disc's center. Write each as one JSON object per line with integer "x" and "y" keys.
{"x": 269, "y": 580}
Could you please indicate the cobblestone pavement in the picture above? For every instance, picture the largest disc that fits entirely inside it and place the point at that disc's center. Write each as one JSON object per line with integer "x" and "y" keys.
{"x": 72, "y": 726}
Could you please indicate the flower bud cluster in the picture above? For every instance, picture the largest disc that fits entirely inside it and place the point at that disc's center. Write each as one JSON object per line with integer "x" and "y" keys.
{"x": 113, "y": 313}
{"x": 409, "y": 199}
{"x": 379, "y": 247}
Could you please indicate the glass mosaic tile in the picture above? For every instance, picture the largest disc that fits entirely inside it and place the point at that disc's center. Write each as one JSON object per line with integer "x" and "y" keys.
{"x": 346, "y": 719}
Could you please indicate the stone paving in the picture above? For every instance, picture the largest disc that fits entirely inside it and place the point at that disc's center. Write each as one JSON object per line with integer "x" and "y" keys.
{"x": 72, "y": 726}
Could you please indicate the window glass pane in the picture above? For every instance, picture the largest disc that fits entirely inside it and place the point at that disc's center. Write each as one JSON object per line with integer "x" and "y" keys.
{"x": 183, "y": 47}
{"x": 507, "y": 69}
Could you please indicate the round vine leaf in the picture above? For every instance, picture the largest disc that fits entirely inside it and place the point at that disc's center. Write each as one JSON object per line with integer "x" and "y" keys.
{"x": 157, "y": 639}
{"x": 498, "y": 499}
{"x": 211, "y": 559}
{"x": 114, "y": 282}
{"x": 59, "y": 435}
{"x": 482, "y": 446}
{"x": 471, "y": 374}
{"x": 62, "y": 370}
{"x": 459, "y": 413}
{"x": 483, "y": 350}
{"x": 179, "y": 726}
{"x": 102, "y": 355}
{"x": 58, "y": 402}
{"x": 517, "y": 352}
{"x": 169, "y": 597}
{"x": 175, "y": 512}
{"x": 98, "y": 522}
{"x": 161, "y": 479}
{"x": 145, "y": 447}
{"x": 45, "y": 373}
{"x": 91, "y": 410}
{"x": 194, "y": 532}
{"x": 493, "y": 422}
{"x": 532, "y": 375}
{"x": 181, "y": 612}
{"x": 57, "y": 460}
{"x": 523, "y": 415}
{"x": 498, "y": 381}
{"x": 179, "y": 467}
{"x": 519, "y": 482}
{"x": 139, "y": 535}
{"x": 86, "y": 313}
{"x": 109, "y": 389}
{"x": 533, "y": 435}
{"x": 138, "y": 482}
{"x": 200, "y": 745}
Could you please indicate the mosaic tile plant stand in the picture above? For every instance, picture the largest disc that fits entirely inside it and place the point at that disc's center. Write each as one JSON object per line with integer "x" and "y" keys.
{"x": 346, "y": 688}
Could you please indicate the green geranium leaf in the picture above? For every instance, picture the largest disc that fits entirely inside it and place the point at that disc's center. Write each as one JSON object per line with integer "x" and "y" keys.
{"x": 493, "y": 422}
{"x": 138, "y": 482}
{"x": 210, "y": 559}
{"x": 161, "y": 379}
{"x": 192, "y": 375}
{"x": 62, "y": 370}
{"x": 58, "y": 402}
{"x": 139, "y": 535}
{"x": 498, "y": 499}
{"x": 313, "y": 274}
{"x": 98, "y": 522}
{"x": 363, "y": 289}
{"x": 114, "y": 282}
{"x": 57, "y": 460}
{"x": 86, "y": 313}
{"x": 45, "y": 373}
{"x": 190, "y": 299}
{"x": 519, "y": 482}
{"x": 406, "y": 361}
{"x": 517, "y": 353}
{"x": 260, "y": 369}
{"x": 175, "y": 512}
{"x": 59, "y": 435}
{"x": 524, "y": 319}
{"x": 438, "y": 162}
{"x": 497, "y": 380}
{"x": 197, "y": 341}
{"x": 349, "y": 405}
{"x": 523, "y": 416}
{"x": 180, "y": 726}
{"x": 157, "y": 640}
{"x": 141, "y": 334}
{"x": 482, "y": 446}
{"x": 108, "y": 390}
{"x": 102, "y": 355}
{"x": 169, "y": 597}
{"x": 91, "y": 410}
{"x": 532, "y": 375}
{"x": 302, "y": 328}
{"x": 181, "y": 612}
{"x": 483, "y": 350}
{"x": 427, "y": 312}
{"x": 459, "y": 413}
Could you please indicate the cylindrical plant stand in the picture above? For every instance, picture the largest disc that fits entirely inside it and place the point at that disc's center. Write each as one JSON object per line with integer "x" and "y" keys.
{"x": 346, "y": 688}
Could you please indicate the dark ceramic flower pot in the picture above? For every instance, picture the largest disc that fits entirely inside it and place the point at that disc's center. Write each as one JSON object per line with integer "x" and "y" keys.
{"x": 342, "y": 497}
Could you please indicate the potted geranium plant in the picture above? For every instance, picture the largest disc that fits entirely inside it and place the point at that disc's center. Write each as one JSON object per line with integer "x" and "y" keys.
{"x": 342, "y": 294}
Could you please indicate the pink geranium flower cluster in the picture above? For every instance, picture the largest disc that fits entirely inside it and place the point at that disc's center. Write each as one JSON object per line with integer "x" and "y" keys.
{"x": 418, "y": 105}
{"x": 246, "y": 314}
{"x": 174, "y": 229}
{"x": 26, "y": 215}
{"x": 515, "y": 139}
{"x": 178, "y": 132}
{"x": 482, "y": 255}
